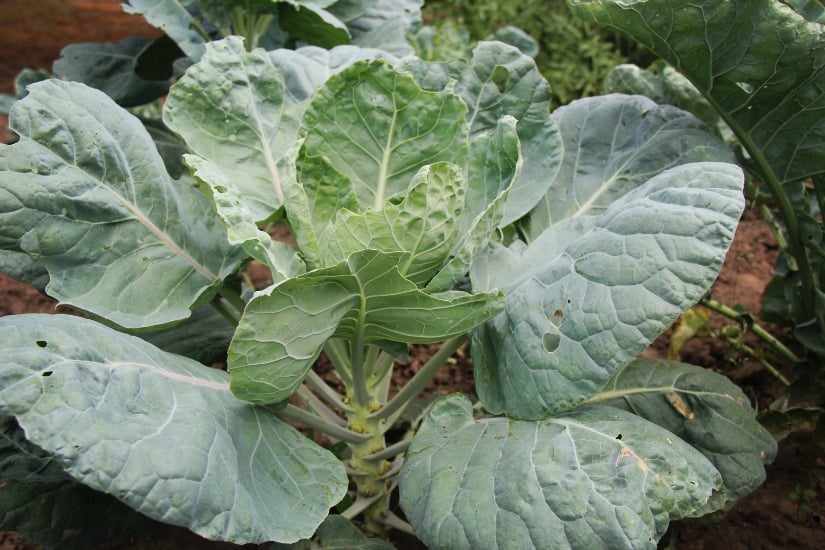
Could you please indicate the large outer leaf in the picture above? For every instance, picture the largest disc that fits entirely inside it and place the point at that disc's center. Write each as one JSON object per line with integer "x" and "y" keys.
{"x": 592, "y": 292}
{"x": 174, "y": 19}
{"x": 162, "y": 433}
{"x": 45, "y": 505}
{"x": 111, "y": 68}
{"x": 593, "y": 478}
{"x": 231, "y": 108}
{"x": 703, "y": 408}
{"x": 613, "y": 144}
{"x": 86, "y": 192}
{"x": 377, "y": 127}
{"x": 284, "y": 327}
{"x": 766, "y": 78}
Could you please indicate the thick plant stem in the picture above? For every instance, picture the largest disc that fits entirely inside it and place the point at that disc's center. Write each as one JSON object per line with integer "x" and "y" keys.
{"x": 416, "y": 385}
{"x": 231, "y": 318}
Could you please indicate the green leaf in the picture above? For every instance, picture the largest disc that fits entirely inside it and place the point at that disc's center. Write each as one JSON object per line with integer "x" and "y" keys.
{"x": 501, "y": 81}
{"x": 666, "y": 86}
{"x": 596, "y": 477}
{"x": 309, "y": 23}
{"x": 203, "y": 337}
{"x": 422, "y": 223}
{"x": 385, "y": 26}
{"x": 110, "y": 67}
{"x": 494, "y": 166}
{"x": 21, "y": 266}
{"x": 231, "y": 108}
{"x": 593, "y": 291}
{"x": 285, "y": 326}
{"x": 110, "y": 408}
{"x": 377, "y": 127}
{"x": 765, "y": 79}
{"x": 281, "y": 259}
{"x": 812, "y": 10}
{"x": 703, "y": 408}
{"x": 613, "y": 144}
{"x": 86, "y": 193}
{"x": 306, "y": 68}
{"x": 46, "y": 506}
{"x": 173, "y": 18}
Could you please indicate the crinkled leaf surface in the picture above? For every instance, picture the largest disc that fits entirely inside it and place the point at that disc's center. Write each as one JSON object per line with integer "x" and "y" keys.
{"x": 231, "y": 108}
{"x": 87, "y": 194}
{"x": 111, "y": 408}
{"x": 377, "y": 127}
{"x": 592, "y": 292}
{"x": 593, "y": 478}
{"x": 285, "y": 326}
{"x": 45, "y": 505}
{"x": 173, "y": 18}
{"x": 422, "y": 223}
{"x": 110, "y": 67}
{"x": 613, "y": 144}
{"x": 493, "y": 167}
{"x": 766, "y": 79}
{"x": 703, "y": 408}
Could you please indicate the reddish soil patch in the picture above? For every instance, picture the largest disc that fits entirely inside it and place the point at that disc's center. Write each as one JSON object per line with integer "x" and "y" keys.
{"x": 769, "y": 518}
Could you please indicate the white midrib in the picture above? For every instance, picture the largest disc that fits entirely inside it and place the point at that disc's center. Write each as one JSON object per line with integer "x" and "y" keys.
{"x": 164, "y": 237}
{"x": 381, "y": 189}
{"x": 157, "y": 232}
{"x": 192, "y": 380}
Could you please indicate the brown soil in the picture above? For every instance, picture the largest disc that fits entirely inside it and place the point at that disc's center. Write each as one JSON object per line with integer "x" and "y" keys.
{"x": 34, "y": 33}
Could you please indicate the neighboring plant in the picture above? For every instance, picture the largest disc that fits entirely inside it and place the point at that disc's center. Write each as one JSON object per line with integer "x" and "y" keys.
{"x": 574, "y": 56}
{"x": 584, "y": 232}
{"x": 761, "y": 88}
{"x": 802, "y": 498}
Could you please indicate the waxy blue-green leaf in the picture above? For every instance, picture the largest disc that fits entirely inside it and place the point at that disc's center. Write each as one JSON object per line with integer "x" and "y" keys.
{"x": 664, "y": 85}
{"x": 364, "y": 298}
{"x": 110, "y": 408}
{"x": 703, "y": 408}
{"x": 593, "y": 291}
{"x": 231, "y": 108}
{"x": 87, "y": 194}
{"x": 110, "y": 67}
{"x": 765, "y": 79}
{"x": 173, "y": 18}
{"x": 423, "y": 223}
{"x": 46, "y": 506}
{"x": 22, "y": 267}
{"x": 596, "y": 477}
{"x": 613, "y": 144}
{"x": 377, "y": 127}
{"x": 281, "y": 259}
{"x": 338, "y": 533}
{"x": 501, "y": 81}
{"x": 385, "y": 25}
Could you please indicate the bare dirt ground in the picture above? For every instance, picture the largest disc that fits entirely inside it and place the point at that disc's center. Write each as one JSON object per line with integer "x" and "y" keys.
{"x": 34, "y": 33}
